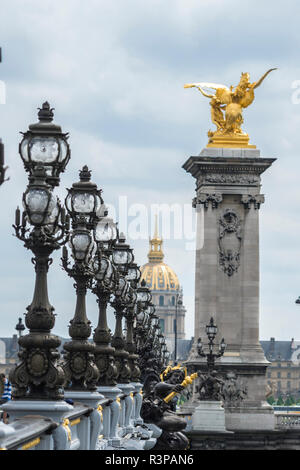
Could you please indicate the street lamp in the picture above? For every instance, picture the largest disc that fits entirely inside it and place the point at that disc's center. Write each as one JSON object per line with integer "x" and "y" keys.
{"x": 105, "y": 280}
{"x": 84, "y": 200}
{"x": 79, "y": 364}
{"x": 45, "y": 144}
{"x": 178, "y": 302}
{"x": 211, "y": 356}
{"x": 119, "y": 302}
{"x": 2, "y": 167}
{"x": 144, "y": 296}
{"x": 105, "y": 232}
{"x": 39, "y": 375}
{"x": 122, "y": 254}
{"x": 132, "y": 311}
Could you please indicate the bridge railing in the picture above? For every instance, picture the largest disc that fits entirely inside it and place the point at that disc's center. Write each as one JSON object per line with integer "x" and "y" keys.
{"x": 82, "y": 428}
{"x": 287, "y": 419}
{"x": 28, "y": 433}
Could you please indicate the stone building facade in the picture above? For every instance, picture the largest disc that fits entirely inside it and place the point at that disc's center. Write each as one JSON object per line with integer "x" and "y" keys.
{"x": 283, "y": 373}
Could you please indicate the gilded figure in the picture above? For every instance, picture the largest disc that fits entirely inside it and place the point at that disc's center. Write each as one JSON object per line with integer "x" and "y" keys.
{"x": 227, "y": 106}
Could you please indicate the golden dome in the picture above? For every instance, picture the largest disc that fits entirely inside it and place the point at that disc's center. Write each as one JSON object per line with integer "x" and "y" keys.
{"x": 157, "y": 274}
{"x": 159, "y": 277}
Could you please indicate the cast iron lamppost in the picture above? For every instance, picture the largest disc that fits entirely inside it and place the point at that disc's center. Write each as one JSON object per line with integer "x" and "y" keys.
{"x": 118, "y": 342}
{"x": 82, "y": 202}
{"x": 178, "y": 302}
{"x": 2, "y": 167}
{"x": 122, "y": 256}
{"x": 133, "y": 277}
{"x": 211, "y": 356}
{"x": 20, "y": 327}
{"x": 106, "y": 281}
{"x": 39, "y": 376}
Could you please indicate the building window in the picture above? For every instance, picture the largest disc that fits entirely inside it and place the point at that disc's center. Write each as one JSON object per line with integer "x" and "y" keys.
{"x": 173, "y": 300}
{"x": 278, "y": 375}
{"x": 162, "y": 325}
{"x": 161, "y": 300}
{"x": 278, "y": 385}
{"x": 289, "y": 385}
{"x": 288, "y": 375}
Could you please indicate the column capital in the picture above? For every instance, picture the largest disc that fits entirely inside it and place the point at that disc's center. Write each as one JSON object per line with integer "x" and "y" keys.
{"x": 206, "y": 198}
{"x": 250, "y": 200}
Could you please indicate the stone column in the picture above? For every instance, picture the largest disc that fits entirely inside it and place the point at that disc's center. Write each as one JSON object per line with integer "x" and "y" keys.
{"x": 228, "y": 200}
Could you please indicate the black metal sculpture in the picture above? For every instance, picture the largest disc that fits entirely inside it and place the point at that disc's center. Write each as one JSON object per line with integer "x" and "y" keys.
{"x": 158, "y": 410}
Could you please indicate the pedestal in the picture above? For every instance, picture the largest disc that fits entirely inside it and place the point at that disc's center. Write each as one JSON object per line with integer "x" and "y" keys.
{"x": 111, "y": 419}
{"x": 127, "y": 389}
{"x": 138, "y": 400}
{"x": 209, "y": 416}
{"x": 227, "y": 202}
{"x": 92, "y": 400}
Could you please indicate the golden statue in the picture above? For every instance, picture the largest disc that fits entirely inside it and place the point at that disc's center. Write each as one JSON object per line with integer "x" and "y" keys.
{"x": 226, "y": 110}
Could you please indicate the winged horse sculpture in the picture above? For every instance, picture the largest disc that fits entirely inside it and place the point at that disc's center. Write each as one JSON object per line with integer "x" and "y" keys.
{"x": 227, "y": 106}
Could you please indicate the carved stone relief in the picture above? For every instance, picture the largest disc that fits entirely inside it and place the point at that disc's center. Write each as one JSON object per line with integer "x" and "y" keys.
{"x": 239, "y": 179}
{"x": 230, "y": 239}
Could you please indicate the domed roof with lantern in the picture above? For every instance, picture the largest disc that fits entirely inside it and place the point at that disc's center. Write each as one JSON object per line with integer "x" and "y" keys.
{"x": 157, "y": 274}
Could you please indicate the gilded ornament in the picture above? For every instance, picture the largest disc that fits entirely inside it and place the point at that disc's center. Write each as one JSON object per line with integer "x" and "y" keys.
{"x": 227, "y": 106}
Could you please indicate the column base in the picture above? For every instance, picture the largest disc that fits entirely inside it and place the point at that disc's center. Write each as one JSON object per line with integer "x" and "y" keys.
{"x": 209, "y": 416}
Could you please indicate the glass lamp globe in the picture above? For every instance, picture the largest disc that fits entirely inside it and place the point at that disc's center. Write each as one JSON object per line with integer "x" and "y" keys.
{"x": 122, "y": 253}
{"x": 211, "y": 329}
{"x": 143, "y": 294}
{"x": 133, "y": 273}
{"x": 105, "y": 232}
{"x": 103, "y": 269}
{"x": 41, "y": 206}
{"x": 45, "y": 144}
{"x": 82, "y": 245}
{"x": 84, "y": 199}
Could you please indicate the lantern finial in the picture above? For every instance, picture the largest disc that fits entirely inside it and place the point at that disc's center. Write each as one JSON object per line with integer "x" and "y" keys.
{"x": 45, "y": 113}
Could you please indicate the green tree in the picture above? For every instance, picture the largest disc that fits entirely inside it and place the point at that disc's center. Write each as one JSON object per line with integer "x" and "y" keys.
{"x": 280, "y": 401}
{"x": 271, "y": 400}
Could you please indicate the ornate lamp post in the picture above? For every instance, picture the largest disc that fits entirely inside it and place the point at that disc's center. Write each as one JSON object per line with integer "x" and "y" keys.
{"x": 106, "y": 279}
{"x": 20, "y": 327}
{"x": 82, "y": 201}
{"x": 39, "y": 376}
{"x": 133, "y": 276}
{"x": 2, "y": 167}
{"x": 178, "y": 303}
{"x": 118, "y": 342}
{"x": 211, "y": 356}
{"x": 122, "y": 256}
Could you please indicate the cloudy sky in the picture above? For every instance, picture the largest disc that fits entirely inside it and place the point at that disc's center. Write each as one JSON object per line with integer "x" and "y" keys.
{"x": 114, "y": 72}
